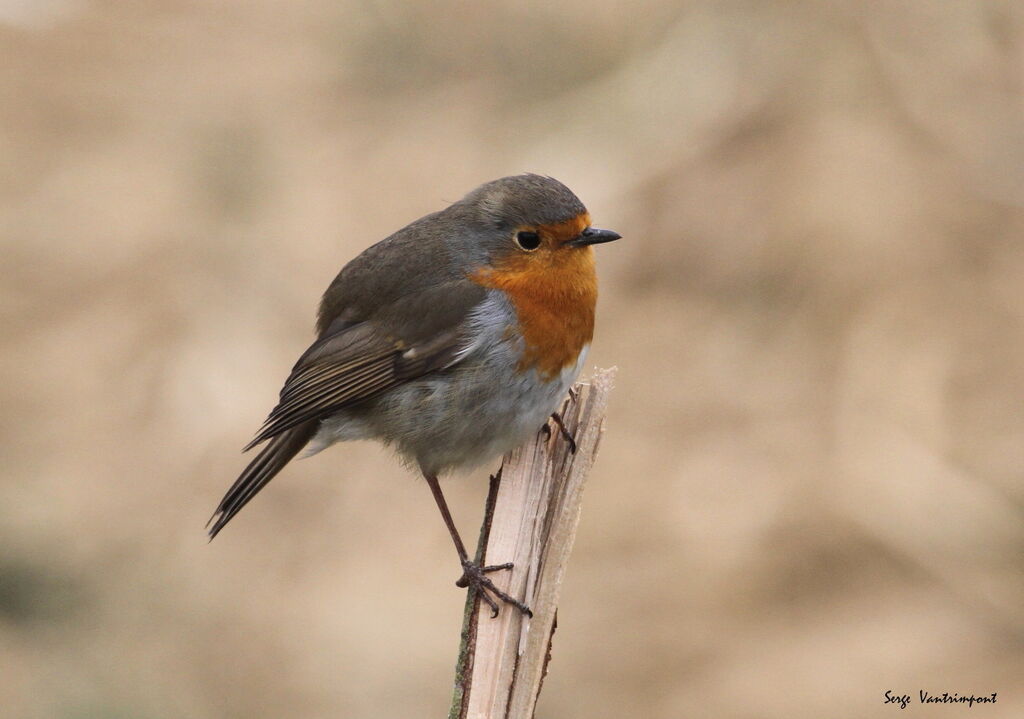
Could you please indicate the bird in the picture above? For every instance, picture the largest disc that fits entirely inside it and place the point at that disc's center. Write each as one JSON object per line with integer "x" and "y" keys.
{"x": 452, "y": 341}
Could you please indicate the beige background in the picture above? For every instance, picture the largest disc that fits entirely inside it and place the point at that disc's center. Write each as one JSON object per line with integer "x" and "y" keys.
{"x": 810, "y": 491}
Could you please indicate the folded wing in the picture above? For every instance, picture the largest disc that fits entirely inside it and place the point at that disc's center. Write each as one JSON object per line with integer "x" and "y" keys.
{"x": 353, "y": 361}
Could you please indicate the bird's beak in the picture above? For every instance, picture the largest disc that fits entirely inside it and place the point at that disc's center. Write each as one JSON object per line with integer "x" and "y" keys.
{"x": 593, "y": 236}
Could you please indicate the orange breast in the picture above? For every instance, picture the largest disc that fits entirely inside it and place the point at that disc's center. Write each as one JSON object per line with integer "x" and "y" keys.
{"x": 554, "y": 292}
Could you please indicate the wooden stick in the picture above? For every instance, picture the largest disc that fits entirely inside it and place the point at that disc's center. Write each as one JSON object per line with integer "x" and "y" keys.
{"x": 533, "y": 509}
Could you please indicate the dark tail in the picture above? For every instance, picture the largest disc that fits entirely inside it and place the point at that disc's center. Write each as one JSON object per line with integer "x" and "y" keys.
{"x": 271, "y": 460}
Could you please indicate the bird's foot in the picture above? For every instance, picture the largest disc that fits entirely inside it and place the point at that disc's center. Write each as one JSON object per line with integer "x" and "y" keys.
{"x": 566, "y": 435}
{"x": 474, "y": 575}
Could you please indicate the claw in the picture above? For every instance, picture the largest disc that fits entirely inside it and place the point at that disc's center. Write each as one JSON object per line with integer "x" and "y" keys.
{"x": 474, "y": 575}
{"x": 464, "y": 582}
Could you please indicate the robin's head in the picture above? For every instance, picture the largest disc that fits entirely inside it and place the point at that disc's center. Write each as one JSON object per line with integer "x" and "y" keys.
{"x": 532, "y": 243}
{"x": 531, "y": 221}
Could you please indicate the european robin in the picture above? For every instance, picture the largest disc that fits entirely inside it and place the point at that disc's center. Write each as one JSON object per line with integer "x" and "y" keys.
{"x": 452, "y": 340}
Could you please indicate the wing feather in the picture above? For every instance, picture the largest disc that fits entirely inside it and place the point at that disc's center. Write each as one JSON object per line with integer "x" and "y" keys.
{"x": 327, "y": 393}
{"x": 379, "y": 325}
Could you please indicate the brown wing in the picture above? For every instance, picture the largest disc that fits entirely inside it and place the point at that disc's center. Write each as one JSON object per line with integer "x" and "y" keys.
{"x": 355, "y": 360}
{"x": 352, "y": 366}
{"x": 373, "y": 336}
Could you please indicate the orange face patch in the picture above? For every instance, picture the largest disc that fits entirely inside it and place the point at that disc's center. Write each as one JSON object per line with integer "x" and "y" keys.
{"x": 561, "y": 232}
{"x": 554, "y": 292}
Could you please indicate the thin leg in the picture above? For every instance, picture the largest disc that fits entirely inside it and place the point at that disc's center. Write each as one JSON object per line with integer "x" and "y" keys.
{"x": 564, "y": 432}
{"x": 473, "y": 573}
{"x": 435, "y": 489}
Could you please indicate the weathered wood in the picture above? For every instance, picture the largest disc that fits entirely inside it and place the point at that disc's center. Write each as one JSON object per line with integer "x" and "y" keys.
{"x": 533, "y": 509}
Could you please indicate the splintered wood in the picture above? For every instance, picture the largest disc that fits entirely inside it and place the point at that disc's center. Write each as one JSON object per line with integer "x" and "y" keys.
{"x": 531, "y": 520}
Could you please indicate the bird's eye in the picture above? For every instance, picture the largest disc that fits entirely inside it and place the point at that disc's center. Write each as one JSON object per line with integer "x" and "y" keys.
{"x": 528, "y": 240}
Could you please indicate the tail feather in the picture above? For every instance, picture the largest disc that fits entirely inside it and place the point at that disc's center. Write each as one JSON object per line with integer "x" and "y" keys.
{"x": 271, "y": 460}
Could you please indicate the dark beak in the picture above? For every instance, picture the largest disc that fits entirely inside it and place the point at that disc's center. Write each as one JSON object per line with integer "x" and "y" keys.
{"x": 593, "y": 236}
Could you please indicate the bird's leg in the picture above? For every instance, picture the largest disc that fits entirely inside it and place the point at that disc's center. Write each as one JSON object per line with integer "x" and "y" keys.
{"x": 546, "y": 429}
{"x": 473, "y": 574}
{"x": 564, "y": 432}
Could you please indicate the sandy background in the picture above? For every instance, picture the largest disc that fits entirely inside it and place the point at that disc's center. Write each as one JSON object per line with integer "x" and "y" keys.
{"x": 811, "y": 487}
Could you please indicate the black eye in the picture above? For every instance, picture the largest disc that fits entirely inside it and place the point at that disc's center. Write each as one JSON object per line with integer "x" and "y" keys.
{"x": 527, "y": 240}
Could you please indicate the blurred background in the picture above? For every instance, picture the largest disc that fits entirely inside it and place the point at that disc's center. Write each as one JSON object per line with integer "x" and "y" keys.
{"x": 810, "y": 490}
